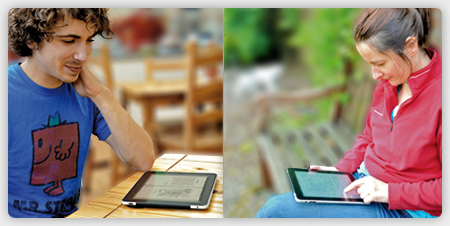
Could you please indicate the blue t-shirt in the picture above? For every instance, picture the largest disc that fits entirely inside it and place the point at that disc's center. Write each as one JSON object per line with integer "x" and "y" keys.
{"x": 48, "y": 137}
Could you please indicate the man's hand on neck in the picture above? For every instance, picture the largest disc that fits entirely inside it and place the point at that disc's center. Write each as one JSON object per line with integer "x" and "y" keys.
{"x": 87, "y": 85}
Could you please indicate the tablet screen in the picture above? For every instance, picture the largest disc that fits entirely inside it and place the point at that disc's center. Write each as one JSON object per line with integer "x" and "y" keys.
{"x": 316, "y": 184}
{"x": 172, "y": 189}
{"x": 167, "y": 187}
{"x": 312, "y": 185}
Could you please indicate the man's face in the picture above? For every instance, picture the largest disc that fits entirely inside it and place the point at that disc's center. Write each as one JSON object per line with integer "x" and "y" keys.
{"x": 63, "y": 57}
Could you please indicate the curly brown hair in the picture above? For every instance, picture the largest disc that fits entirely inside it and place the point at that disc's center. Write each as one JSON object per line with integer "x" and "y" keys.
{"x": 32, "y": 25}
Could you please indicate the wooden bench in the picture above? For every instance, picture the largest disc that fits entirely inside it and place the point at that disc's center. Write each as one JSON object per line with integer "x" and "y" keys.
{"x": 317, "y": 144}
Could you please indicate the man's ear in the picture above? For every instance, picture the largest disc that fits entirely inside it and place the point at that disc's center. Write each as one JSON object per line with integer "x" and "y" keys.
{"x": 410, "y": 47}
{"x": 32, "y": 45}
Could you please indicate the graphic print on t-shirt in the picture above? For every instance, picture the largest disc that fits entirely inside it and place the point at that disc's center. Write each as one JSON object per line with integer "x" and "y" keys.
{"x": 55, "y": 154}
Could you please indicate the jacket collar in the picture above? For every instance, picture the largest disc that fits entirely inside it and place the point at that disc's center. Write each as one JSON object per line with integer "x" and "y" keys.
{"x": 420, "y": 79}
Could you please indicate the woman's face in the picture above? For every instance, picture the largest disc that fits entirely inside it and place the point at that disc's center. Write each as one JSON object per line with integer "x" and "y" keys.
{"x": 388, "y": 66}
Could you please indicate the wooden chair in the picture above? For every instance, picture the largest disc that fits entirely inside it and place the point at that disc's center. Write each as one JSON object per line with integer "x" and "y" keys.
{"x": 152, "y": 67}
{"x": 153, "y": 93}
{"x": 198, "y": 94}
{"x": 103, "y": 64}
{"x": 319, "y": 144}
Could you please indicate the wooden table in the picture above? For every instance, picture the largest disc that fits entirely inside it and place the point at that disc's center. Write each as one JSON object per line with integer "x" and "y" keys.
{"x": 109, "y": 205}
{"x": 151, "y": 95}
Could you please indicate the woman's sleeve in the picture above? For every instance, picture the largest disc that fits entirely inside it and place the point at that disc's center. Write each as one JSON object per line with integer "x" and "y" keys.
{"x": 355, "y": 156}
{"x": 424, "y": 195}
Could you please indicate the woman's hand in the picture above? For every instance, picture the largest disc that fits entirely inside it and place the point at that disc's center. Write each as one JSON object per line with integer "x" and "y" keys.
{"x": 323, "y": 168}
{"x": 370, "y": 189}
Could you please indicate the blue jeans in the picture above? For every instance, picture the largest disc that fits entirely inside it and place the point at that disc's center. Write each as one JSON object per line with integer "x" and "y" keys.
{"x": 285, "y": 206}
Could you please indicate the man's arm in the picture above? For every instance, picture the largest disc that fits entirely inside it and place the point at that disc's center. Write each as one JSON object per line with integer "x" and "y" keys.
{"x": 130, "y": 142}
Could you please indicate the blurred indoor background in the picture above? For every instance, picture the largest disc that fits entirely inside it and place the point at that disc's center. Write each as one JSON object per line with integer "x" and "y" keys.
{"x": 296, "y": 93}
{"x": 154, "y": 66}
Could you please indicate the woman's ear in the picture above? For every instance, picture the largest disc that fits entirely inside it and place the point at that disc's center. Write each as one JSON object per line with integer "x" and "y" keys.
{"x": 410, "y": 47}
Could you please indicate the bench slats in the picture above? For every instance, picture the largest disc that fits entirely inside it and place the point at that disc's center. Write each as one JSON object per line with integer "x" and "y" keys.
{"x": 292, "y": 159}
{"x": 280, "y": 181}
{"x": 322, "y": 144}
{"x": 341, "y": 142}
{"x": 307, "y": 149}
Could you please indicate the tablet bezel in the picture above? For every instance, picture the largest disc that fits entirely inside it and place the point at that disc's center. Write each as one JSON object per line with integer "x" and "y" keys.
{"x": 299, "y": 194}
{"x": 203, "y": 203}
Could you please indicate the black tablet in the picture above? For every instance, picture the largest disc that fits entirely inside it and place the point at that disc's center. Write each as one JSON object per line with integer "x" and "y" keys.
{"x": 322, "y": 186}
{"x": 172, "y": 190}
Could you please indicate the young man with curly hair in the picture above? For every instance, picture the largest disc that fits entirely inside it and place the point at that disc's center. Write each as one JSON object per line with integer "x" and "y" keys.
{"x": 54, "y": 105}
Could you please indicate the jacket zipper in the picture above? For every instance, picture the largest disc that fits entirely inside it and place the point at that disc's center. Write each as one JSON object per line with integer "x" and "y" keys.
{"x": 389, "y": 113}
{"x": 401, "y": 106}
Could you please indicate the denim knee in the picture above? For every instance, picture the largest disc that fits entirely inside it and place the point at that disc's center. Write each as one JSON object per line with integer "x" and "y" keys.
{"x": 274, "y": 204}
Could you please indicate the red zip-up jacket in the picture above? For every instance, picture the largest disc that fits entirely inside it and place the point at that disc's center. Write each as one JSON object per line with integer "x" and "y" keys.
{"x": 406, "y": 154}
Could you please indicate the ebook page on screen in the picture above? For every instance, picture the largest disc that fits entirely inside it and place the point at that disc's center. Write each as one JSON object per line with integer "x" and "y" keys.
{"x": 315, "y": 184}
{"x": 180, "y": 188}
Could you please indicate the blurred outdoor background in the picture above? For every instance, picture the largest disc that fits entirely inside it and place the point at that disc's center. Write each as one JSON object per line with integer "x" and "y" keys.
{"x": 296, "y": 93}
{"x": 153, "y": 64}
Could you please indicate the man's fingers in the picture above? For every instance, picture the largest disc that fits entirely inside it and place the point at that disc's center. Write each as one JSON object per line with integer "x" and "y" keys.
{"x": 354, "y": 184}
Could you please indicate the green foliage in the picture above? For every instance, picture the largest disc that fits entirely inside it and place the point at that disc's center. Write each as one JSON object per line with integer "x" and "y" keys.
{"x": 303, "y": 114}
{"x": 247, "y": 35}
{"x": 325, "y": 37}
{"x": 325, "y": 40}
{"x": 288, "y": 19}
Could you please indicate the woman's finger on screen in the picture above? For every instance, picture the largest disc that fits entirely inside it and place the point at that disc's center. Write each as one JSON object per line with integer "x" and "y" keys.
{"x": 354, "y": 185}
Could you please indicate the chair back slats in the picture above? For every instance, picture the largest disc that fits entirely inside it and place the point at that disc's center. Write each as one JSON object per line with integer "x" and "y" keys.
{"x": 104, "y": 63}
{"x": 201, "y": 94}
{"x": 152, "y": 66}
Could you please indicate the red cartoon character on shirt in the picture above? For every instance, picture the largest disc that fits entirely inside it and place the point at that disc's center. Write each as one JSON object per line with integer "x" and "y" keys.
{"x": 55, "y": 154}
